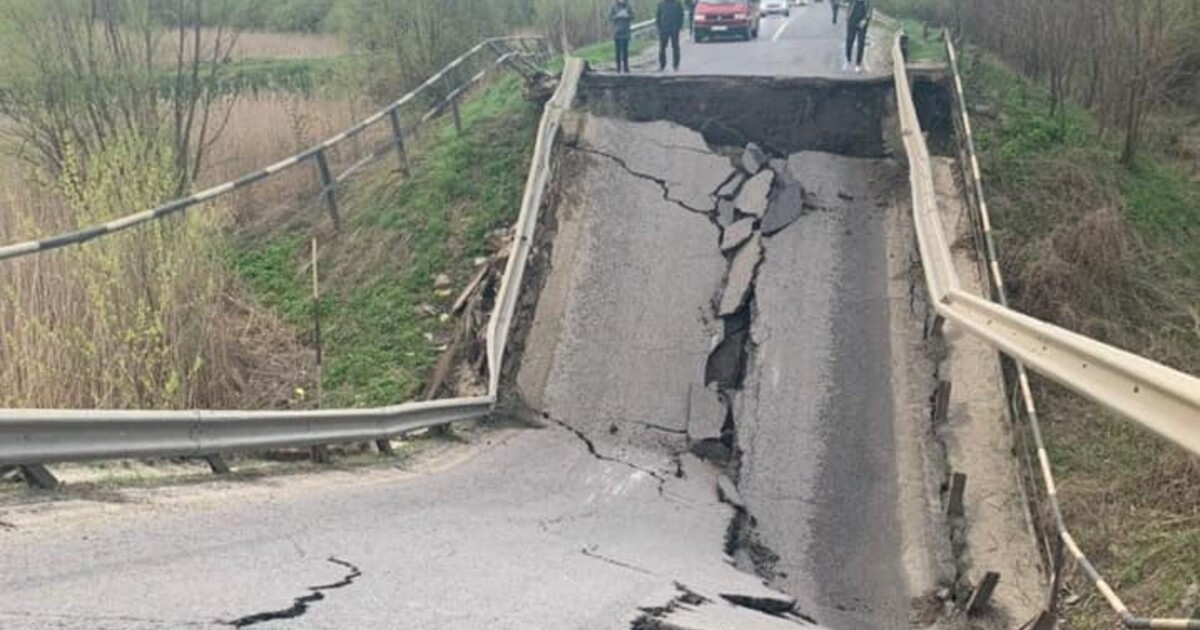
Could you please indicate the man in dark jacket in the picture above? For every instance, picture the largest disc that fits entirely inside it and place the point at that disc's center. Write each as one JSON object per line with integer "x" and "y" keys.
{"x": 669, "y": 20}
{"x": 856, "y": 30}
{"x": 621, "y": 16}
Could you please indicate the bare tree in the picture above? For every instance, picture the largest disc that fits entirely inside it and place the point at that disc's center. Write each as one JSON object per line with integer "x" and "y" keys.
{"x": 82, "y": 73}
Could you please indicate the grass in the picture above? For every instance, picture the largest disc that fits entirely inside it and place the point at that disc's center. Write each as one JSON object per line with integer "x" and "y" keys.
{"x": 924, "y": 43}
{"x": 398, "y": 235}
{"x": 603, "y": 54}
{"x": 1111, "y": 252}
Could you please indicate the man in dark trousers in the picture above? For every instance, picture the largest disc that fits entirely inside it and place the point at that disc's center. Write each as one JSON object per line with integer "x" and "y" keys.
{"x": 834, "y": 5}
{"x": 856, "y": 30}
{"x": 669, "y": 20}
{"x": 621, "y": 15}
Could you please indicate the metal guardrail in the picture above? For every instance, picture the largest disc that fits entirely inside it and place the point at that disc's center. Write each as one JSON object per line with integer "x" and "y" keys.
{"x": 41, "y": 436}
{"x": 1155, "y": 396}
{"x": 500, "y": 323}
{"x": 1159, "y": 398}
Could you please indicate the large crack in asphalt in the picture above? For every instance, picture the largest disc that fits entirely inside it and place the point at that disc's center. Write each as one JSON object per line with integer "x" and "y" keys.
{"x": 662, "y": 183}
{"x": 525, "y": 412}
{"x": 727, "y": 363}
{"x": 750, "y": 195}
{"x": 301, "y": 604}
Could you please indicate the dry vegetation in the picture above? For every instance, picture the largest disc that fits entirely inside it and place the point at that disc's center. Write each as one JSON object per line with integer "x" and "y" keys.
{"x": 264, "y": 45}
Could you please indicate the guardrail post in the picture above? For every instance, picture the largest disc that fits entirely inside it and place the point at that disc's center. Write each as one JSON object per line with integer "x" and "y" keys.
{"x": 385, "y": 447}
{"x": 454, "y": 107}
{"x": 982, "y": 595}
{"x": 398, "y": 138}
{"x": 217, "y": 464}
{"x": 941, "y": 402}
{"x": 38, "y": 476}
{"x": 452, "y": 95}
{"x": 958, "y": 487}
{"x": 1049, "y": 617}
{"x": 328, "y": 188}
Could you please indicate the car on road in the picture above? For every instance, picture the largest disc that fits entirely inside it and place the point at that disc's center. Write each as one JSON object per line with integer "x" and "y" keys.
{"x": 726, "y": 18}
{"x": 776, "y": 7}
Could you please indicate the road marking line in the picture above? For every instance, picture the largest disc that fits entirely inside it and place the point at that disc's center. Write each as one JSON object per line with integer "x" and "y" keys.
{"x": 779, "y": 31}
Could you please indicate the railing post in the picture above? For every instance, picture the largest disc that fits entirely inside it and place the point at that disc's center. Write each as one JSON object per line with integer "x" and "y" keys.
{"x": 452, "y": 94}
{"x": 398, "y": 137}
{"x": 328, "y": 189}
{"x": 1049, "y": 617}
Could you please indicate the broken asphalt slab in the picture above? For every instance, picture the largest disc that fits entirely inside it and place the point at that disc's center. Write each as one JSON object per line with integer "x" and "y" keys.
{"x": 730, "y": 188}
{"x": 753, "y": 159}
{"x": 673, "y": 155}
{"x": 786, "y": 205}
{"x": 737, "y": 233}
{"x": 755, "y": 194}
{"x": 741, "y": 276}
{"x": 726, "y": 213}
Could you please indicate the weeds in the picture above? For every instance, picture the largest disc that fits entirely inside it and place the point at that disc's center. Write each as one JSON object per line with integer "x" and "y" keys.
{"x": 380, "y": 307}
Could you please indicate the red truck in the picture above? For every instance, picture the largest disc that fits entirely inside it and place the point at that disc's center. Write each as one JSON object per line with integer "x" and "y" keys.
{"x": 717, "y": 18}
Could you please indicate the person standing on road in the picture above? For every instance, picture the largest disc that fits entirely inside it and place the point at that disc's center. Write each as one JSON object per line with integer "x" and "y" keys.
{"x": 669, "y": 20}
{"x": 621, "y": 16}
{"x": 834, "y": 5}
{"x": 856, "y": 30}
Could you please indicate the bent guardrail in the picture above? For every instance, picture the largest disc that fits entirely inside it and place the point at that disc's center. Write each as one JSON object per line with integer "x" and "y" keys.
{"x": 41, "y": 436}
{"x": 1158, "y": 398}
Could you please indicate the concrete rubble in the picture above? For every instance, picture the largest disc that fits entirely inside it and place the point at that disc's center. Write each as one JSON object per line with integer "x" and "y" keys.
{"x": 730, "y": 188}
{"x": 755, "y": 194}
{"x": 726, "y": 212}
{"x": 753, "y": 159}
{"x": 736, "y": 233}
{"x": 741, "y": 276}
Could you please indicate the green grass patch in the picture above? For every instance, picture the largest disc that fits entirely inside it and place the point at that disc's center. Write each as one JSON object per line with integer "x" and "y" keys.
{"x": 924, "y": 43}
{"x": 306, "y": 76}
{"x": 603, "y": 54}
{"x": 398, "y": 234}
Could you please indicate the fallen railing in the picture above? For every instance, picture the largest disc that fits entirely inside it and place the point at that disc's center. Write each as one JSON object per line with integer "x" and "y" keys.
{"x": 1154, "y": 396}
{"x": 42, "y": 436}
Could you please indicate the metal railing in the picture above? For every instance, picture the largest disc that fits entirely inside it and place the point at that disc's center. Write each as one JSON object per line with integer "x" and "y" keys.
{"x": 42, "y": 436}
{"x": 1158, "y": 398}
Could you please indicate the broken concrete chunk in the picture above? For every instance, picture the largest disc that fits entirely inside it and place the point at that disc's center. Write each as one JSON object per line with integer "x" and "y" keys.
{"x": 753, "y": 159}
{"x": 786, "y": 207}
{"x": 706, "y": 413}
{"x": 441, "y": 281}
{"x": 726, "y": 213}
{"x": 731, "y": 186}
{"x": 741, "y": 276}
{"x": 779, "y": 166}
{"x": 754, "y": 195}
{"x": 728, "y": 492}
{"x": 737, "y": 233}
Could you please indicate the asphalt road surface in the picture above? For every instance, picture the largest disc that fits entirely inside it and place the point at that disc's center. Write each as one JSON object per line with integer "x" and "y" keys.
{"x": 603, "y": 512}
{"x": 807, "y": 43}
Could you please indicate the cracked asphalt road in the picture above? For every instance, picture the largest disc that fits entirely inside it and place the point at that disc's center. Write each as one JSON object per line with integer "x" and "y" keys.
{"x": 603, "y": 512}
{"x": 805, "y": 44}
